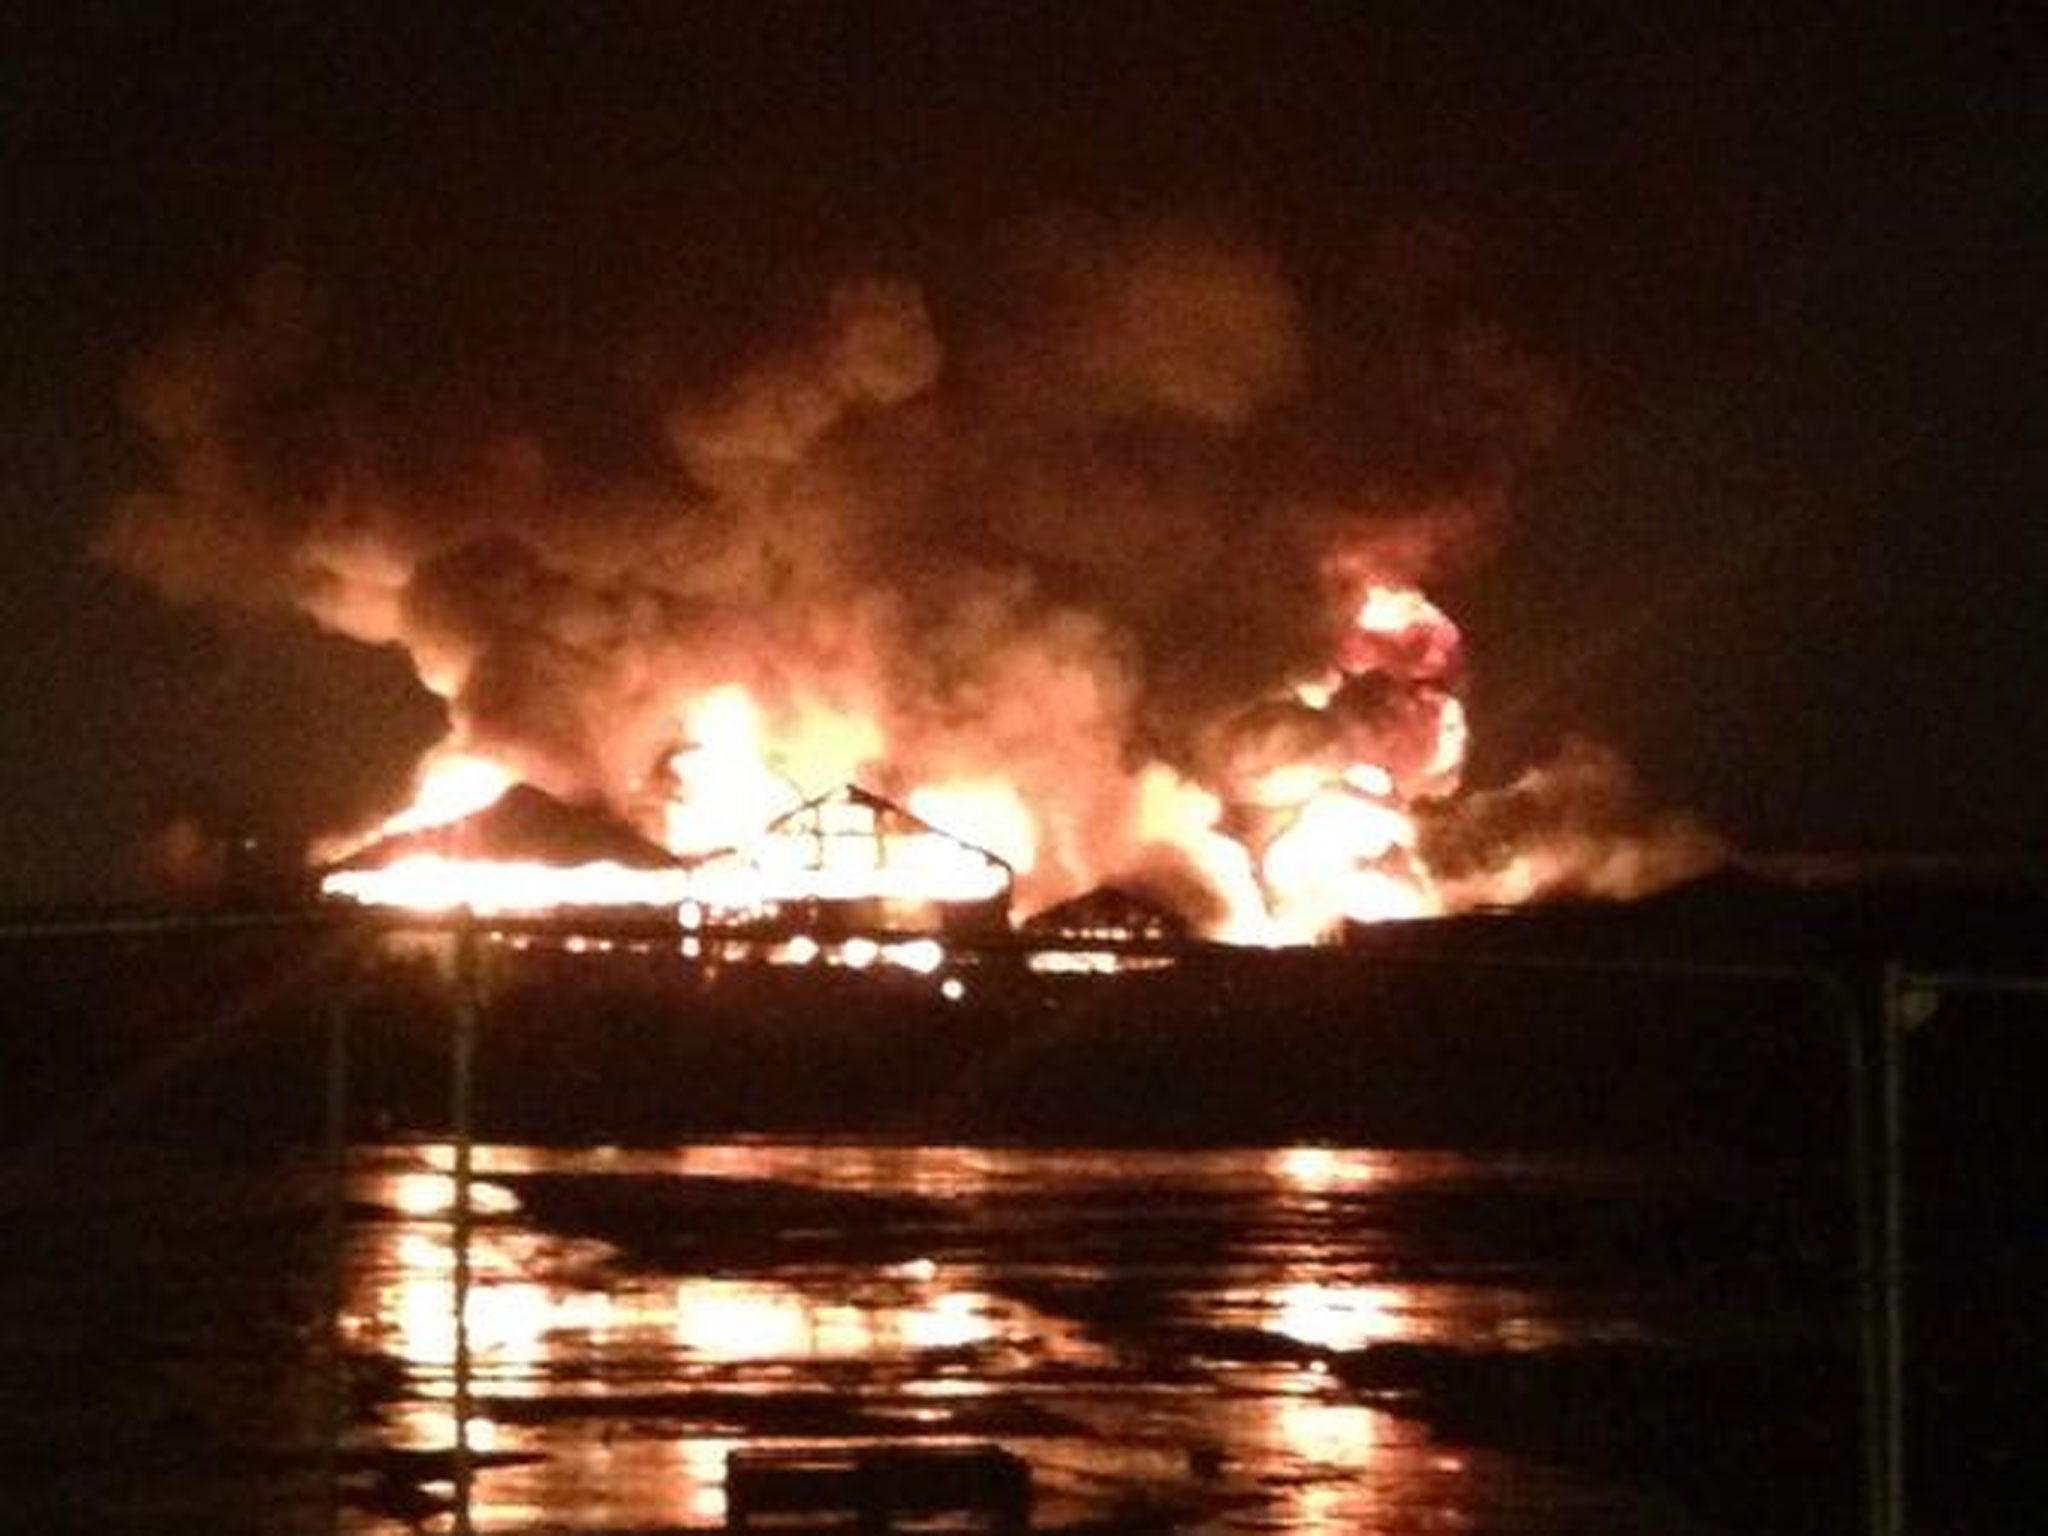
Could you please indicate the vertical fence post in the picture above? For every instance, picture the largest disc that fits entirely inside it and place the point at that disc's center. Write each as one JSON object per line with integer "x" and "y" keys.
{"x": 1867, "y": 1203}
{"x": 468, "y": 1009}
{"x": 334, "y": 1237}
{"x": 1901, "y": 1004}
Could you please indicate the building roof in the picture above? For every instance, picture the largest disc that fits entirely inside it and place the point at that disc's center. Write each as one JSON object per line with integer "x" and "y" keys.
{"x": 879, "y": 815}
{"x": 525, "y": 825}
{"x": 1108, "y": 910}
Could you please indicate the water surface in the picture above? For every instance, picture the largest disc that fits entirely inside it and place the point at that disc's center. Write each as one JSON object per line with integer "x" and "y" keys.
{"x": 1168, "y": 1337}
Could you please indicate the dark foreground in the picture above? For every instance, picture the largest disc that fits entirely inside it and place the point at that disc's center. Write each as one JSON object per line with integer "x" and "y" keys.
{"x": 1286, "y": 1340}
{"x": 1629, "y": 1304}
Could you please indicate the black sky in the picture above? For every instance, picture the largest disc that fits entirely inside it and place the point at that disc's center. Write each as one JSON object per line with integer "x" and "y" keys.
{"x": 1787, "y": 554}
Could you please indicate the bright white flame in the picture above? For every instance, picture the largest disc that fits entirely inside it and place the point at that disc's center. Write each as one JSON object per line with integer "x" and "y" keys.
{"x": 1318, "y": 1169}
{"x": 1369, "y": 779}
{"x": 1184, "y": 816}
{"x": 1316, "y": 692}
{"x": 1092, "y": 962}
{"x": 1394, "y": 610}
{"x": 986, "y": 812}
{"x": 428, "y": 882}
{"x": 725, "y": 790}
{"x": 448, "y": 785}
{"x": 744, "y": 1320}
{"x": 1327, "y": 864}
{"x": 801, "y": 950}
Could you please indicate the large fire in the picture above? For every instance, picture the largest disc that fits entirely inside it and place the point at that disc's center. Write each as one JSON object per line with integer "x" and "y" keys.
{"x": 1288, "y": 845}
{"x": 1101, "y": 563}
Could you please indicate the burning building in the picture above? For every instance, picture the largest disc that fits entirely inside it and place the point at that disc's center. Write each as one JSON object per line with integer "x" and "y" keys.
{"x": 849, "y": 863}
{"x": 1109, "y": 913}
{"x": 1090, "y": 934}
{"x": 1101, "y": 567}
{"x": 527, "y": 852}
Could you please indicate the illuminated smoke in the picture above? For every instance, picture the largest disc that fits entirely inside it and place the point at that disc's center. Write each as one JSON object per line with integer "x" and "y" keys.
{"x": 1100, "y": 561}
{"x": 1577, "y": 826}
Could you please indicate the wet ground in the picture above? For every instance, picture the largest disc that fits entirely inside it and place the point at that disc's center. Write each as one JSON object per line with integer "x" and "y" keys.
{"x": 1301, "y": 1339}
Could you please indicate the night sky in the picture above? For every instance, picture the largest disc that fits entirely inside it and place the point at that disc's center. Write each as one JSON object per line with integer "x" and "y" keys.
{"x": 1784, "y": 551}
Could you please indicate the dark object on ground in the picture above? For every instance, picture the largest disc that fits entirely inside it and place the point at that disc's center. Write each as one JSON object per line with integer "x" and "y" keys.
{"x": 876, "y": 1484}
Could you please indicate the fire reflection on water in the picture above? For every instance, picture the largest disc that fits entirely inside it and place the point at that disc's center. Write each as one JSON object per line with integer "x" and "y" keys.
{"x": 518, "y": 1329}
{"x": 543, "y": 1314}
{"x": 747, "y": 1320}
{"x": 605, "y": 1391}
{"x": 1338, "y": 1316}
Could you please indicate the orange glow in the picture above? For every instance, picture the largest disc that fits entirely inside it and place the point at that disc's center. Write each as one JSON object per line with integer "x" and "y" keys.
{"x": 1303, "y": 820}
{"x": 451, "y": 786}
{"x": 448, "y": 785}
{"x": 1176, "y": 813}
{"x": 847, "y": 848}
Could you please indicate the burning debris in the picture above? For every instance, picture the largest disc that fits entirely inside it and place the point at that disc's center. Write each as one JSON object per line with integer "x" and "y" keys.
{"x": 1106, "y": 573}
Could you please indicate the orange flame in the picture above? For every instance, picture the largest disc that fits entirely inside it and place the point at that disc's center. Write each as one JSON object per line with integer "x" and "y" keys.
{"x": 1315, "y": 828}
{"x": 448, "y": 785}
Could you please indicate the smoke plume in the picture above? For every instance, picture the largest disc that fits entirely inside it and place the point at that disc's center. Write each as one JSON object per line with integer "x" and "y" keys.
{"x": 1079, "y": 526}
